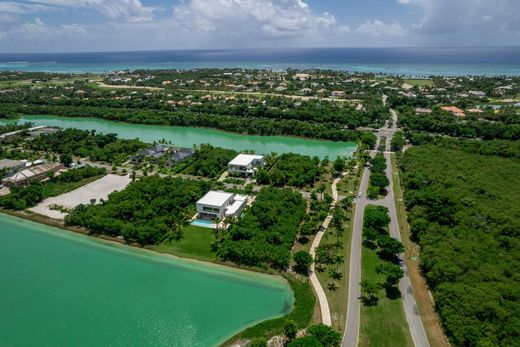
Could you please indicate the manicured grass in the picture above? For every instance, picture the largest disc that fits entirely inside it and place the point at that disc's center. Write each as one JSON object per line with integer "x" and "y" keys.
{"x": 419, "y": 82}
{"x": 337, "y": 298}
{"x": 304, "y": 301}
{"x": 385, "y": 323}
{"x": 51, "y": 189}
{"x": 195, "y": 244}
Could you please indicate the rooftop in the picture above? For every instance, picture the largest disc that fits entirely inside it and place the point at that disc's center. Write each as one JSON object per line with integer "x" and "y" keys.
{"x": 8, "y": 163}
{"x": 214, "y": 198}
{"x": 245, "y": 159}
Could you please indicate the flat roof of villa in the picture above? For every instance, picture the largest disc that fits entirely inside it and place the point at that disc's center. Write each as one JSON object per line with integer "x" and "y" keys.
{"x": 214, "y": 198}
{"x": 245, "y": 159}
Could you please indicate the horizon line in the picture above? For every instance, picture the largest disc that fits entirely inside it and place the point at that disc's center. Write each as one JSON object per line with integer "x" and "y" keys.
{"x": 256, "y": 49}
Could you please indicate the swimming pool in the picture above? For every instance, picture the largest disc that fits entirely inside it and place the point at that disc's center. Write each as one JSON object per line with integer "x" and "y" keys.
{"x": 203, "y": 223}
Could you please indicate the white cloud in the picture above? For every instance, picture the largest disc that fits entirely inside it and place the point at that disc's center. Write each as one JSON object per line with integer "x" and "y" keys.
{"x": 129, "y": 10}
{"x": 449, "y": 16}
{"x": 32, "y": 30}
{"x": 39, "y": 31}
{"x": 278, "y": 19}
{"x": 378, "y": 28}
{"x": 11, "y": 7}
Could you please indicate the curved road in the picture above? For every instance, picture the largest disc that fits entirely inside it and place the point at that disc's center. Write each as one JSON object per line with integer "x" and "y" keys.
{"x": 351, "y": 333}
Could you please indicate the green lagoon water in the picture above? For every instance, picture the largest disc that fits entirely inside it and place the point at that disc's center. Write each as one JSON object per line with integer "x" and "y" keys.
{"x": 62, "y": 289}
{"x": 189, "y": 136}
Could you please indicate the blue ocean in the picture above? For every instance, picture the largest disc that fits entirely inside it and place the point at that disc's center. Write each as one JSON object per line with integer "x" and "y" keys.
{"x": 395, "y": 61}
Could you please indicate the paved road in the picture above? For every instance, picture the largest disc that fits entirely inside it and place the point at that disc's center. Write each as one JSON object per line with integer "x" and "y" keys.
{"x": 351, "y": 332}
{"x": 410, "y": 305}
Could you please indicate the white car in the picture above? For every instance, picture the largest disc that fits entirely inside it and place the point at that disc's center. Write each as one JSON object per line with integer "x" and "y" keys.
{"x": 359, "y": 195}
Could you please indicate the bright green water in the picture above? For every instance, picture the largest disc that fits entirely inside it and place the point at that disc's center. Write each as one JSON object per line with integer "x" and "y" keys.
{"x": 62, "y": 289}
{"x": 187, "y": 137}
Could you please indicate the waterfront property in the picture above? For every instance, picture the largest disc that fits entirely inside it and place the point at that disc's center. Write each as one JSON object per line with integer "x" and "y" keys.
{"x": 220, "y": 205}
{"x": 155, "y": 152}
{"x": 35, "y": 173}
{"x": 178, "y": 155}
{"x": 91, "y": 193}
{"x": 246, "y": 164}
{"x": 174, "y": 155}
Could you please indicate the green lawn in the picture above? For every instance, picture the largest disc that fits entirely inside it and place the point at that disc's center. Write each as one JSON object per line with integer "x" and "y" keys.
{"x": 195, "y": 244}
{"x": 51, "y": 189}
{"x": 384, "y": 324}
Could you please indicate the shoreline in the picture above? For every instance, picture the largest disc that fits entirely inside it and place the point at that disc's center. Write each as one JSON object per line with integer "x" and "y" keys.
{"x": 191, "y": 127}
{"x": 121, "y": 245}
{"x": 114, "y": 241}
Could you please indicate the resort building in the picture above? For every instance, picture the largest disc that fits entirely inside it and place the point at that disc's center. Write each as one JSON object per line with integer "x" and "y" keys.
{"x": 246, "y": 164}
{"x": 220, "y": 205}
{"x": 34, "y": 173}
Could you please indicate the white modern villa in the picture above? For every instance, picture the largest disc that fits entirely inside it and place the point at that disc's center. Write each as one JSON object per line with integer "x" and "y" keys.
{"x": 246, "y": 164}
{"x": 220, "y": 205}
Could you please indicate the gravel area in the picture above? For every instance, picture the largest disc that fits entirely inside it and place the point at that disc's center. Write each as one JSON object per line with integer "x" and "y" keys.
{"x": 98, "y": 190}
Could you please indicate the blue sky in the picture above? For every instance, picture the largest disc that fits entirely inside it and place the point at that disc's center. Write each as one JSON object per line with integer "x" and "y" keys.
{"x": 100, "y": 25}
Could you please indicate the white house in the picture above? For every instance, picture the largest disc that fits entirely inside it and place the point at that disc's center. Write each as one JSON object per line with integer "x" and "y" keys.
{"x": 246, "y": 164}
{"x": 220, "y": 205}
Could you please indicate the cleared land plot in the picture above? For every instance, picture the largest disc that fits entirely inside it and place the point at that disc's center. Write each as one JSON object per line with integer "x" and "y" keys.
{"x": 98, "y": 190}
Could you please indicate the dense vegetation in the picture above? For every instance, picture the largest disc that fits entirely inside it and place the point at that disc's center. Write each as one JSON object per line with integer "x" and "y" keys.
{"x": 147, "y": 211}
{"x": 293, "y": 170}
{"x": 463, "y": 209}
{"x": 376, "y": 237}
{"x": 29, "y": 196}
{"x": 244, "y": 125}
{"x": 266, "y": 233}
{"x": 84, "y": 143}
{"x": 378, "y": 179}
{"x": 7, "y": 128}
{"x": 209, "y": 161}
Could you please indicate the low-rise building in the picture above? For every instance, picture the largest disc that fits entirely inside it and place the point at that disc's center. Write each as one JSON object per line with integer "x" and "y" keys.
{"x": 457, "y": 112}
{"x": 38, "y": 131}
{"x": 154, "y": 152}
{"x": 246, "y": 164}
{"x": 337, "y": 94}
{"x": 220, "y": 205}
{"x": 8, "y": 167}
{"x": 31, "y": 174}
{"x": 422, "y": 111}
{"x": 305, "y": 91}
{"x": 178, "y": 155}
